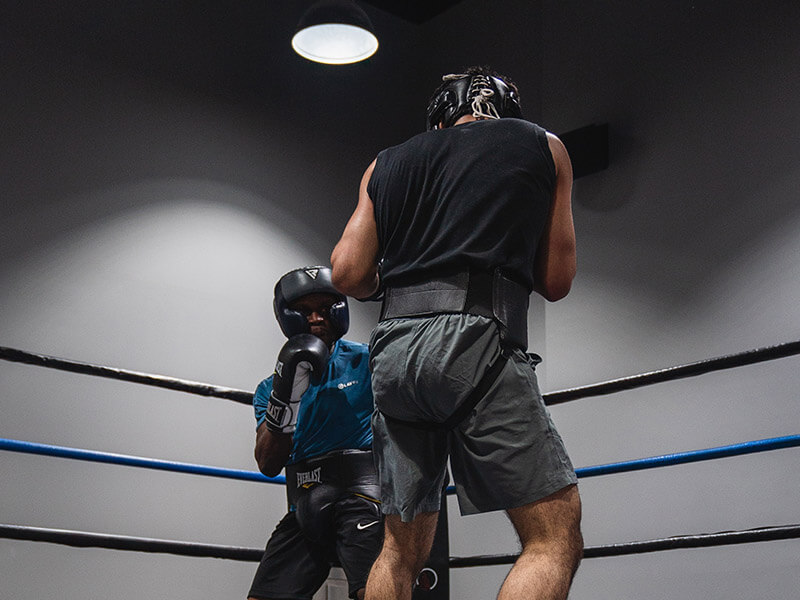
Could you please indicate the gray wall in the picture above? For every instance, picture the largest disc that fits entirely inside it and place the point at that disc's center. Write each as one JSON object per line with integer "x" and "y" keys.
{"x": 689, "y": 249}
{"x": 162, "y": 166}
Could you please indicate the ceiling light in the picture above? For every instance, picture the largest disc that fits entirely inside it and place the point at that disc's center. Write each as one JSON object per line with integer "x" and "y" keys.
{"x": 335, "y": 32}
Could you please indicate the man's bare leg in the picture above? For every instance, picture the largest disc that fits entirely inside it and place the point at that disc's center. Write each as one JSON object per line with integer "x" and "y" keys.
{"x": 552, "y": 547}
{"x": 406, "y": 547}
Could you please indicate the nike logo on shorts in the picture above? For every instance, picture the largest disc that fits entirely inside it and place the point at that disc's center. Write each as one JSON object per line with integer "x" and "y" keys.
{"x": 360, "y": 526}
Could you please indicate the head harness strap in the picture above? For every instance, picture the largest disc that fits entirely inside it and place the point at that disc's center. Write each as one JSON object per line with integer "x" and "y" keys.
{"x": 485, "y": 96}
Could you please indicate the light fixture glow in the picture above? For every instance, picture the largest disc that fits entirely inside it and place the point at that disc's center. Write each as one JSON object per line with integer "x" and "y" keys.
{"x": 335, "y": 32}
{"x": 334, "y": 43}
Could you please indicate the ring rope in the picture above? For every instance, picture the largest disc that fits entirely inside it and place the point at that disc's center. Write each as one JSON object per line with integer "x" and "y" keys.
{"x": 558, "y": 397}
{"x": 182, "y": 385}
{"x": 672, "y": 373}
{"x": 134, "y": 461}
{"x": 702, "y": 540}
{"x": 751, "y": 447}
{"x": 680, "y": 458}
{"x": 83, "y": 539}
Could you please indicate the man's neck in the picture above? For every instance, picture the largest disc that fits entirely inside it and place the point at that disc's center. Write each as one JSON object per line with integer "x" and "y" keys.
{"x": 468, "y": 119}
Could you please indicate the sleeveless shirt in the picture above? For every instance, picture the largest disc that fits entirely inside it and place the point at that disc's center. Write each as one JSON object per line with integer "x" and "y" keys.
{"x": 475, "y": 195}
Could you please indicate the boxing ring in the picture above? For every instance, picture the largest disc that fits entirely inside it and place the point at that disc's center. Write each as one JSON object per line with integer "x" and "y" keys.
{"x": 86, "y": 539}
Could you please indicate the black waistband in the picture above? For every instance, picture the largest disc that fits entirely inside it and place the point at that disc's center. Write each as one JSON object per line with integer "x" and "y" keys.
{"x": 490, "y": 295}
{"x": 347, "y": 470}
{"x": 341, "y": 467}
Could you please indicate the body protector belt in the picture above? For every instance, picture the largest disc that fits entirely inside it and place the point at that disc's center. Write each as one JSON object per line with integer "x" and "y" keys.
{"x": 471, "y": 292}
{"x": 343, "y": 471}
{"x": 317, "y": 486}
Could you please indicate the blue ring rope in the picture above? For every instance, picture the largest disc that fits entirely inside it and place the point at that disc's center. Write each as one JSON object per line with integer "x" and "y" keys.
{"x": 179, "y": 467}
{"x": 134, "y": 461}
{"x": 680, "y": 458}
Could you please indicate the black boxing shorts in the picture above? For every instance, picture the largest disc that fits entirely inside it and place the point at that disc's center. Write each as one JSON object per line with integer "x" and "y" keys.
{"x": 334, "y": 519}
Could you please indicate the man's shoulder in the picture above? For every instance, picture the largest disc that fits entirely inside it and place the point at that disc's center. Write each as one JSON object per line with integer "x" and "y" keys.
{"x": 265, "y": 383}
{"x": 351, "y": 347}
{"x": 263, "y": 390}
{"x": 414, "y": 141}
{"x": 352, "y": 355}
{"x": 441, "y": 135}
{"x": 517, "y": 125}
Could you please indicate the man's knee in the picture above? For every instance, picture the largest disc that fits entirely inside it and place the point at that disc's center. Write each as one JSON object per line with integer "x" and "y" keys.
{"x": 573, "y": 547}
{"x": 553, "y": 521}
{"x": 409, "y": 544}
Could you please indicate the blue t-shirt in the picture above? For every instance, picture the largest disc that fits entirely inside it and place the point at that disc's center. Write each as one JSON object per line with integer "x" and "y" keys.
{"x": 334, "y": 414}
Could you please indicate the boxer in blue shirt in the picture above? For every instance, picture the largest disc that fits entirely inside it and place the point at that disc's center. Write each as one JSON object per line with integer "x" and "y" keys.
{"x": 313, "y": 418}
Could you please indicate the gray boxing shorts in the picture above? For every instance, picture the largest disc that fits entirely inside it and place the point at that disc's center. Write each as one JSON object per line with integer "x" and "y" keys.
{"x": 506, "y": 453}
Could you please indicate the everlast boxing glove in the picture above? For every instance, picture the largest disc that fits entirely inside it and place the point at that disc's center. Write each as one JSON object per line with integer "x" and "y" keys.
{"x": 302, "y": 357}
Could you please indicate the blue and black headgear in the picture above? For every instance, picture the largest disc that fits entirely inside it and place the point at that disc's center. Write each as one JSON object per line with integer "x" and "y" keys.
{"x": 476, "y": 92}
{"x": 302, "y": 282}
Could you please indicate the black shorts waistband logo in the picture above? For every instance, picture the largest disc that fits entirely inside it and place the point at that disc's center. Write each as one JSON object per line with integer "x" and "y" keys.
{"x": 306, "y": 477}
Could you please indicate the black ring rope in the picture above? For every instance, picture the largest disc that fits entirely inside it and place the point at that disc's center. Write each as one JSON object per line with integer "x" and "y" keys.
{"x": 83, "y": 539}
{"x": 182, "y": 385}
{"x": 678, "y": 372}
{"x": 702, "y": 540}
{"x": 558, "y": 397}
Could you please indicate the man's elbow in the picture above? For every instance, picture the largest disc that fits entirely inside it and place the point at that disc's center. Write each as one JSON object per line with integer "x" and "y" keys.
{"x": 269, "y": 470}
{"x": 267, "y": 466}
{"x": 553, "y": 292}
{"x": 555, "y": 286}
{"x": 554, "y": 274}
{"x": 351, "y": 282}
{"x": 342, "y": 278}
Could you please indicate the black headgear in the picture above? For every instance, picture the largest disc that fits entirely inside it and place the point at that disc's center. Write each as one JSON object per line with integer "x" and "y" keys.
{"x": 302, "y": 282}
{"x": 481, "y": 94}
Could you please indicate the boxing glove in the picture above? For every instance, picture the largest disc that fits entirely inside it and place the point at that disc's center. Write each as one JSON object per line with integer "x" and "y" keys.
{"x": 303, "y": 357}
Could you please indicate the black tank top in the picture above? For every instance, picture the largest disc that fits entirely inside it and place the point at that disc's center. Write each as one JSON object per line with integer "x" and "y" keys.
{"x": 475, "y": 195}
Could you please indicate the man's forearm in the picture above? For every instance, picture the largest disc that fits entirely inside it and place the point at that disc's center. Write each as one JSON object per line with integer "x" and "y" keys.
{"x": 353, "y": 283}
{"x": 272, "y": 450}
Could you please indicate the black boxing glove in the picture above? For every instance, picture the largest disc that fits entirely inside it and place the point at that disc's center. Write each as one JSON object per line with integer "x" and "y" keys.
{"x": 302, "y": 358}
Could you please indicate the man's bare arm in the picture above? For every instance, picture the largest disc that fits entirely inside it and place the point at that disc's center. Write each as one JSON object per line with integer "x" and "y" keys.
{"x": 272, "y": 450}
{"x": 355, "y": 258}
{"x": 556, "y": 260}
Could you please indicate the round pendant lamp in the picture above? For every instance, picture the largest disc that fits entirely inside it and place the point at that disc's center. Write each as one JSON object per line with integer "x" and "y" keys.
{"x": 335, "y": 32}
